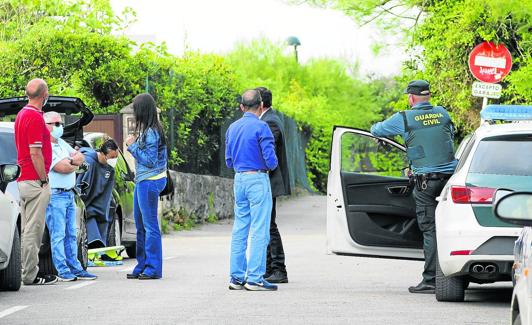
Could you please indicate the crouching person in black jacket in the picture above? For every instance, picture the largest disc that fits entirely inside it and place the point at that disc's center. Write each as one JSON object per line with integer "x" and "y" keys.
{"x": 96, "y": 190}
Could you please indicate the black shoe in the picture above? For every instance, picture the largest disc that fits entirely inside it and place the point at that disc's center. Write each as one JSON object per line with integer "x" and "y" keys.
{"x": 143, "y": 276}
{"x": 132, "y": 276}
{"x": 44, "y": 280}
{"x": 422, "y": 288}
{"x": 277, "y": 277}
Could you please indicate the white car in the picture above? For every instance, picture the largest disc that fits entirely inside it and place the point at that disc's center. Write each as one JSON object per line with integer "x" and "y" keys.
{"x": 516, "y": 208}
{"x": 10, "y": 255}
{"x": 473, "y": 245}
{"x": 371, "y": 211}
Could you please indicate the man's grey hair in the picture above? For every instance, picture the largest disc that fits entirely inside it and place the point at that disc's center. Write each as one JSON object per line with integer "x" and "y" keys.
{"x": 35, "y": 88}
{"x": 251, "y": 99}
{"x": 48, "y": 116}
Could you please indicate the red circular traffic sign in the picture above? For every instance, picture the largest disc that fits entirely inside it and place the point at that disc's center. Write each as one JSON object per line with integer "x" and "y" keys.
{"x": 489, "y": 62}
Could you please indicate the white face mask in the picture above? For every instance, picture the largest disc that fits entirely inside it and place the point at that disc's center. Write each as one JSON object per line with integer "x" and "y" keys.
{"x": 112, "y": 162}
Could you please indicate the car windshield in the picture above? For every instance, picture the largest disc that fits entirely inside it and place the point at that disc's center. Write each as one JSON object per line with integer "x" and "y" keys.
{"x": 507, "y": 155}
{"x": 8, "y": 150}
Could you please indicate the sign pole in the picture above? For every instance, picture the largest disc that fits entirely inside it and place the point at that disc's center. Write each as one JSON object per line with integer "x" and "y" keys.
{"x": 484, "y": 102}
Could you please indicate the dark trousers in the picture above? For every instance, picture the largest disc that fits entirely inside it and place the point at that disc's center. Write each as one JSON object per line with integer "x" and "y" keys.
{"x": 425, "y": 212}
{"x": 275, "y": 254}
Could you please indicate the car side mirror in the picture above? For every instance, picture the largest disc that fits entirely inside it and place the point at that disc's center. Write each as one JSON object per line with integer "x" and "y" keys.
{"x": 9, "y": 173}
{"x": 515, "y": 208}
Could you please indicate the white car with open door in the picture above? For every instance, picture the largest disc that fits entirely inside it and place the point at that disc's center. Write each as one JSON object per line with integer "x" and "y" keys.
{"x": 371, "y": 210}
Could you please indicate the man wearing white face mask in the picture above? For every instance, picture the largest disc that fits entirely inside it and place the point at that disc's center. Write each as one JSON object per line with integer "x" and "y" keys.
{"x": 61, "y": 211}
{"x": 96, "y": 190}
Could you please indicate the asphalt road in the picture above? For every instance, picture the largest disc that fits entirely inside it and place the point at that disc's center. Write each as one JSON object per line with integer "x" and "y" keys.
{"x": 323, "y": 289}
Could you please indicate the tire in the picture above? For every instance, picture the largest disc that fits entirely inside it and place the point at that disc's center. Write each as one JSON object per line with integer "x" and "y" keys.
{"x": 11, "y": 277}
{"x": 83, "y": 244}
{"x": 131, "y": 251}
{"x": 449, "y": 288}
{"x": 114, "y": 236}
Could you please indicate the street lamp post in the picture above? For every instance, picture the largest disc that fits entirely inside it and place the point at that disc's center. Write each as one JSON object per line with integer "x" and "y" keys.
{"x": 294, "y": 41}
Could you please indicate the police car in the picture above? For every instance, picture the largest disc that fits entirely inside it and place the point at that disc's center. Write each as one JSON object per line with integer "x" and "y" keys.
{"x": 516, "y": 208}
{"x": 371, "y": 210}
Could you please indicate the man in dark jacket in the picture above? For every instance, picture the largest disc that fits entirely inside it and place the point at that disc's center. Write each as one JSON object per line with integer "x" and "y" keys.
{"x": 96, "y": 187}
{"x": 280, "y": 183}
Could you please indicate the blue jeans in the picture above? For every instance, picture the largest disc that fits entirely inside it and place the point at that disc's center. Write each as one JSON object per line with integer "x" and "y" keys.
{"x": 253, "y": 207}
{"x": 61, "y": 222}
{"x": 149, "y": 244}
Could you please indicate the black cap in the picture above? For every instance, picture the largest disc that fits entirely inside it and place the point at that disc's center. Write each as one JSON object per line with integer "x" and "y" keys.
{"x": 418, "y": 87}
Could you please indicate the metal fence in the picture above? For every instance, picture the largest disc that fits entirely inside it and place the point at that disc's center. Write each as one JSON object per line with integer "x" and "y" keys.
{"x": 296, "y": 142}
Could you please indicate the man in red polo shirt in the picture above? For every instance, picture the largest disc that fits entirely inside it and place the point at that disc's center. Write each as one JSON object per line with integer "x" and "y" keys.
{"x": 34, "y": 158}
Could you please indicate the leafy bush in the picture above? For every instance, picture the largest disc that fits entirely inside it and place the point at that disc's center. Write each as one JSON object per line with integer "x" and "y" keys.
{"x": 74, "y": 51}
{"x": 318, "y": 95}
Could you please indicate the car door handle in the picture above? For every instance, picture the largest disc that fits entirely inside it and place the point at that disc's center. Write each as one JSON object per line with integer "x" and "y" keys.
{"x": 398, "y": 190}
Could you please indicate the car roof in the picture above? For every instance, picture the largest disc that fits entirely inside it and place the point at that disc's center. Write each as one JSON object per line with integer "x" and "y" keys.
{"x": 7, "y": 126}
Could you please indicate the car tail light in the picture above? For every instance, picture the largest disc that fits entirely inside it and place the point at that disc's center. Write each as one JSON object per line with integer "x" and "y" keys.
{"x": 465, "y": 252}
{"x": 468, "y": 194}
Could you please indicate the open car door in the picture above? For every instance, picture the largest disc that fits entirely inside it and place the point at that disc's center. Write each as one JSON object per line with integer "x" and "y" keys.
{"x": 370, "y": 204}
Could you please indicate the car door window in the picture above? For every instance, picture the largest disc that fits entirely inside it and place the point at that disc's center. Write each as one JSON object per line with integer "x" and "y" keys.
{"x": 8, "y": 150}
{"x": 363, "y": 154}
{"x": 464, "y": 151}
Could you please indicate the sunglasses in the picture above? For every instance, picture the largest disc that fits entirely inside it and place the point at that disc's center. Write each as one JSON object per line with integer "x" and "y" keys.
{"x": 58, "y": 124}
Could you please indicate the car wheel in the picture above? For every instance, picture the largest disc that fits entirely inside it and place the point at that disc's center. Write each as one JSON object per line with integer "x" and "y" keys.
{"x": 114, "y": 237}
{"x": 131, "y": 251}
{"x": 449, "y": 288}
{"x": 83, "y": 244}
{"x": 11, "y": 277}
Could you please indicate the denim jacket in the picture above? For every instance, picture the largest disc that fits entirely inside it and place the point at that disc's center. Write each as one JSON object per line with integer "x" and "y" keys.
{"x": 150, "y": 155}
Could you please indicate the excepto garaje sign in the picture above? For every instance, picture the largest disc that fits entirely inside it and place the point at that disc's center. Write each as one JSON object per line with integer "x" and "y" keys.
{"x": 483, "y": 89}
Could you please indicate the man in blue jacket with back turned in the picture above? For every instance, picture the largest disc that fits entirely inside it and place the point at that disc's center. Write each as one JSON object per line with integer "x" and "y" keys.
{"x": 250, "y": 151}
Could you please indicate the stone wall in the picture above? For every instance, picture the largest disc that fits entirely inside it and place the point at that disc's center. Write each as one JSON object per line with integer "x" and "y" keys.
{"x": 201, "y": 195}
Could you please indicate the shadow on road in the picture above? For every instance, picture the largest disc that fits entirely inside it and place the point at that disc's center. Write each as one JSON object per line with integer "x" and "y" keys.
{"x": 489, "y": 295}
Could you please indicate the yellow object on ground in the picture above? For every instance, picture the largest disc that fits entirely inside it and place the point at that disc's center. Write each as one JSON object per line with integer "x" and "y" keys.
{"x": 106, "y": 256}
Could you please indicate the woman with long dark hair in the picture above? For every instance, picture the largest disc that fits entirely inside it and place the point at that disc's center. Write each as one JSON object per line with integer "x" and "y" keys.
{"x": 148, "y": 147}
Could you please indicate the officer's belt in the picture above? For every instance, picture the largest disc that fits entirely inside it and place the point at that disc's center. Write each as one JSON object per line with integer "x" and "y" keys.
{"x": 435, "y": 176}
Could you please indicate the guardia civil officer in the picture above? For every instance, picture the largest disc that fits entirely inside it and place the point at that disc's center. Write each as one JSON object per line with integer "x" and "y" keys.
{"x": 428, "y": 133}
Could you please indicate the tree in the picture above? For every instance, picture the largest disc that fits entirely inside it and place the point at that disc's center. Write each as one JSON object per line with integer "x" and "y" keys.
{"x": 70, "y": 45}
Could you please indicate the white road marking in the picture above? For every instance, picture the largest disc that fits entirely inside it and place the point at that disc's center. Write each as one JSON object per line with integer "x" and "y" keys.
{"x": 11, "y": 310}
{"x": 126, "y": 269}
{"x": 169, "y": 258}
{"x": 81, "y": 285}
